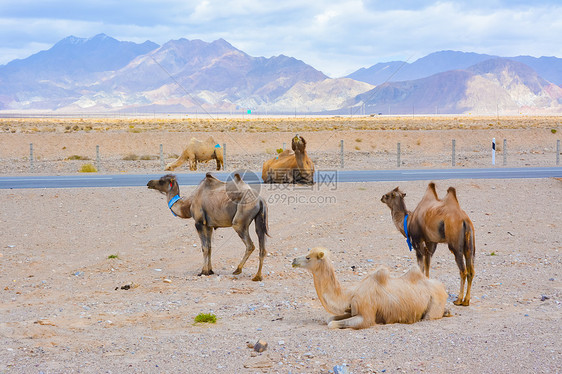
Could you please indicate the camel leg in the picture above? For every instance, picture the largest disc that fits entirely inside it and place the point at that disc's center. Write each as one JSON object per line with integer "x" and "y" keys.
{"x": 463, "y": 274}
{"x": 470, "y": 275}
{"x": 243, "y": 233}
{"x": 193, "y": 164}
{"x": 354, "y": 322}
{"x": 206, "y": 235}
{"x": 429, "y": 251}
{"x": 419, "y": 257}
{"x": 340, "y": 317}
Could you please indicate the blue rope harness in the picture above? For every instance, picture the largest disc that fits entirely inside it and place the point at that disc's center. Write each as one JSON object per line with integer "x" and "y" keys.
{"x": 406, "y": 232}
{"x": 171, "y": 203}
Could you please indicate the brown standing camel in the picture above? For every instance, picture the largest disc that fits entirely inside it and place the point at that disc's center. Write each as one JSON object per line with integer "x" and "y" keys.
{"x": 198, "y": 151}
{"x": 436, "y": 221}
{"x": 378, "y": 298}
{"x": 290, "y": 167}
{"x": 216, "y": 204}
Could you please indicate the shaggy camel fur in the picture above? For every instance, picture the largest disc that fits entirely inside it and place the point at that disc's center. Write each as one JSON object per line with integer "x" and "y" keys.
{"x": 377, "y": 299}
{"x": 198, "y": 151}
{"x": 290, "y": 167}
{"x": 436, "y": 221}
{"x": 216, "y": 204}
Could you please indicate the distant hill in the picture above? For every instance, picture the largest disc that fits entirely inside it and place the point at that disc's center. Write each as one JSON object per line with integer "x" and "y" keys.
{"x": 101, "y": 75}
{"x": 487, "y": 87}
{"x": 549, "y": 68}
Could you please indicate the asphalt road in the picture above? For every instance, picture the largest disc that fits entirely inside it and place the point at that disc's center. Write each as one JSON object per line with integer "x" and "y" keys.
{"x": 323, "y": 176}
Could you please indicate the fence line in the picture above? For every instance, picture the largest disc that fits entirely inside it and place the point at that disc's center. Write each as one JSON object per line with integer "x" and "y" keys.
{"x": 383, "y": 158}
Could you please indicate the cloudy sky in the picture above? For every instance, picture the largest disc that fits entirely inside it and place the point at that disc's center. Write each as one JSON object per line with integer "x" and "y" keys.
{"x": 336, "y": 37}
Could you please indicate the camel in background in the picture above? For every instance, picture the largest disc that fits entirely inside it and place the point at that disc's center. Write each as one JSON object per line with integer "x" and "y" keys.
{"x": 290, "y": 167}
{"x": 436, "y": 221}
{"x": 198, "y": 151}
{"x": 216, "y": 204}
{"x": 377, "y": 299}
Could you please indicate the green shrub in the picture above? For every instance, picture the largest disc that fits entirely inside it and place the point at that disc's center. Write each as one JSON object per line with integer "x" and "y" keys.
{"x": 206, "y": 318}
{"x": 88, "y": 168}
{"x": 553, "y": 131}
{"x": 77, "y": 157}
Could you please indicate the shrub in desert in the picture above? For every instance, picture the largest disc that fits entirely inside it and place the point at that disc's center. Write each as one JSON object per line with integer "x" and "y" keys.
{"x": 77, "y": 157}
{"x": 88, "y": 168}
{"x": 131, "y": 157}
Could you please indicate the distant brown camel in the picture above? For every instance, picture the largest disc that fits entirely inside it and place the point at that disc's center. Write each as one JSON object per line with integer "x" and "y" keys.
{"x": 290, "y": 167}
{"x": 199, "y": 151}
{"x": 377, "y": 298}
{"x": 436, "y": 221}
{"x": 216, "y": 204}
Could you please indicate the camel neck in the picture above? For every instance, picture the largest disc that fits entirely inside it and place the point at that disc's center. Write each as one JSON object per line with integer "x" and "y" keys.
{"x": 331, "y": 295}
{"x": 171, "y": 203}
{"x": 398, "y": 215}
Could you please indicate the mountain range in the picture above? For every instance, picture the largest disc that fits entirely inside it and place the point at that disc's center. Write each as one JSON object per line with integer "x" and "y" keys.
{"x": 104, "y": 75}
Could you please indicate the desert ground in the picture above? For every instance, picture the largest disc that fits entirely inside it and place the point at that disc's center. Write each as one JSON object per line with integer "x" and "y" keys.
{"x": 105, "y": 280}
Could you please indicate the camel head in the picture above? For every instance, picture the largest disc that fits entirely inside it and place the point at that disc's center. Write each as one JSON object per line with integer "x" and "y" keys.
{"x": 165, "y": 184}
{"x": 298, "y": 143}
{"x": 169, "y": 167}
{"x": 313, "y": 259}
{"x": 393, "y": 197}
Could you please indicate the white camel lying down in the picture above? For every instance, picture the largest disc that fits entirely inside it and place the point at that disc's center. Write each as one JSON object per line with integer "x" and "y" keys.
{"x": 378, "y": 298}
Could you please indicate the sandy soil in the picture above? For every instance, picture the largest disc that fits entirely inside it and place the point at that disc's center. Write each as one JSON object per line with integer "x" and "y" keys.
{"x": 133, "y": 146}
{"x": 62, "y": 308}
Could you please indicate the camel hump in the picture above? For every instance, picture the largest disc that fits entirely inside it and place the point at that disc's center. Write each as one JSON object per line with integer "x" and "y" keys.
{"x": 452, "y": 194}
{"x": 381, "y": 275}
{"x": 211, "y": 178}
{"x": 431, "y": 187}
{"x": 414, "y": 275}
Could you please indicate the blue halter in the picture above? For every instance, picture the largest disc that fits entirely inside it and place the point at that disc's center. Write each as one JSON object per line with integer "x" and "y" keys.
{"x": 406, "y": 232}
{"x": 171, "y": 203}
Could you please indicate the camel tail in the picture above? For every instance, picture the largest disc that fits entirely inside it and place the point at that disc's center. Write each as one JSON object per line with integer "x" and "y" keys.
{"x": 262, "y": 225}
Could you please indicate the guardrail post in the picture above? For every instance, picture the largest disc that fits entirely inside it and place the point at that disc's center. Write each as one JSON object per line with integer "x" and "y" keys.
{"x": 453, "y": 152}
{"x": 162, "y": 156}
{"x": 31, "y": 156}
{"x": 504, "y": 152}
{"x": 558, "y": 152}
{"x": 493, "y": 151}
{"x": 398, "y": 154}
{"x": 98, "y": 163}
{"x": 341, "y": 154}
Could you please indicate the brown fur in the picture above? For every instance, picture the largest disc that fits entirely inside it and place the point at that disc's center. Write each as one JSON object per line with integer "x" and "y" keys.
{"x": 198, "y": 151}
{"x": 437, "y": 221}
{"x": 378, "y": 298}
{"x": 216, "y": 204}
{"x": 290, "y": 167}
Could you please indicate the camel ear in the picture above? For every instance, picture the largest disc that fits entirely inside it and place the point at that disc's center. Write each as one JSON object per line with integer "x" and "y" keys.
{"x": 320, "y": 255}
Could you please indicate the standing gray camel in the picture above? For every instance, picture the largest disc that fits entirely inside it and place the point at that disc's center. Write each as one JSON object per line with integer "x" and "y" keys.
{"x": 216, "y": 204}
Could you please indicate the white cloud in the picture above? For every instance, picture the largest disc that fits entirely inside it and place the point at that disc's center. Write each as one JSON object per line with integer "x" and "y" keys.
{"x": 336, "y": 37}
